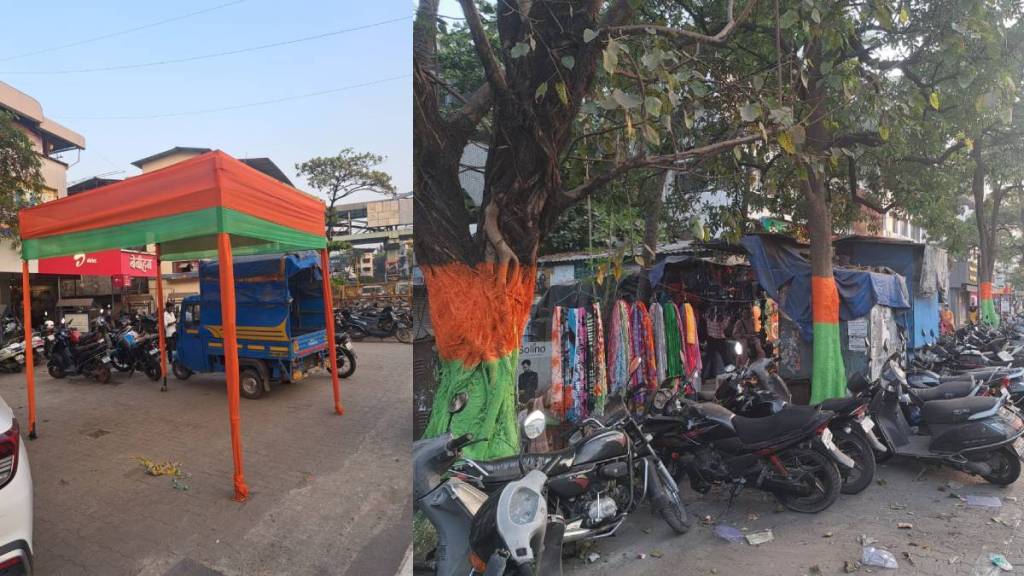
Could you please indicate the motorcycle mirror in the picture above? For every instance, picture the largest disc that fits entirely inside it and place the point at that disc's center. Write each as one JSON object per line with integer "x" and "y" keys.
{"x": 534, "y": 424}
{"x": 634, "y": 364}
{"x": 458, "y": 402}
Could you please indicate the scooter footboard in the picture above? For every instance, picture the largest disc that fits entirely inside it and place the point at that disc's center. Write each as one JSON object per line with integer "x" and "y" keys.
{"x": 977, "y": 435}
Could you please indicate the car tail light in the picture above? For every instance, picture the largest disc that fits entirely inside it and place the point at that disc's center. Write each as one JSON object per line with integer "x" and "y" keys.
{"x": 9, "y": 442}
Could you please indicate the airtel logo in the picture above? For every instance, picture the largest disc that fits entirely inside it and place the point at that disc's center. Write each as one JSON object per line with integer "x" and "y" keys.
{"x": 81, "y": 259}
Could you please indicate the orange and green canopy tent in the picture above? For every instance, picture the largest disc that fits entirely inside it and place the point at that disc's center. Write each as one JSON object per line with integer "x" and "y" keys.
{"x": 208, "y": 206}
{"x": 181, "y": 207}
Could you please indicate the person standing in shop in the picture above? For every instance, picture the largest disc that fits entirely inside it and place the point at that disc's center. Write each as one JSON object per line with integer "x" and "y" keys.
{"x": 170, "y": 325}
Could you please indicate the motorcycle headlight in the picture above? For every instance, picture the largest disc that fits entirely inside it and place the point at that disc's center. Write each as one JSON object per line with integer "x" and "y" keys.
{"x": 522, "y": 506}
{"x": 738, "y": 348}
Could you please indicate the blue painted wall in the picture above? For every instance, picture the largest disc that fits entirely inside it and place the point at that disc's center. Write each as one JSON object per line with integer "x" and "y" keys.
{"x": 906, "y": 260}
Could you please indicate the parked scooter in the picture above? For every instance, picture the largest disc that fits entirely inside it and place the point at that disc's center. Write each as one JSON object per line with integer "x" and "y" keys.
{"x": 89, "y": 356}
{"x": 977, "y": 434}
{"x": 509, "y": 532}
{"x": 384, "y": 325}
{"x": 12, "y": 356}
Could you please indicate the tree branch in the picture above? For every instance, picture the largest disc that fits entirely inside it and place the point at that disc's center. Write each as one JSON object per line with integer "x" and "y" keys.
{"x": 492, "y": 68}
{"x": 694, "y": 37}
{"x": 666, "y": 159}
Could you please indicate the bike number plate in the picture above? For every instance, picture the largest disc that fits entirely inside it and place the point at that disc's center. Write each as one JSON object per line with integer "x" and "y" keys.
{"x": 1005, "y": 356}
{"x": 106, "y": 359}
{"x": 1018, "y": 445}
{"x": 348, "y": 345}
{"x": 826, "y": 439}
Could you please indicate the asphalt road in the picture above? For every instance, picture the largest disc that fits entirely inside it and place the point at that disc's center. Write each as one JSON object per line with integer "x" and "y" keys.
{"x": 330, "y": 495}
{"x": 945, "y": 537}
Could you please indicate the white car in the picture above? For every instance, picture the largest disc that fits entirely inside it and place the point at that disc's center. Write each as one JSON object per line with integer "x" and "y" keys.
{"x": 15, "y": 498}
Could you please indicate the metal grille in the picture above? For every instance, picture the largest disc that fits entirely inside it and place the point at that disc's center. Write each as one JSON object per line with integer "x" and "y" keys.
{"x": 6, "y": 465}
{"x": 424, "y": 385}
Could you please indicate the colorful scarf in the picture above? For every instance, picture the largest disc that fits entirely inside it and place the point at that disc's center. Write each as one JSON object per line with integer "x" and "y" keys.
{"x": 673, "y": 342}
{"x": 658, "y": 320}
{"x": 599, "y": 390}
{"x": 554, "y": 396}
{"x": 618, "y": 347}
{"x": 650, "y": 352}
{"x": 693, "y": 361}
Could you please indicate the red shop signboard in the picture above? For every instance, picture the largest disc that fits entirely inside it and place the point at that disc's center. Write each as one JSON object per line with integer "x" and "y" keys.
{"x": 106, "y": 263}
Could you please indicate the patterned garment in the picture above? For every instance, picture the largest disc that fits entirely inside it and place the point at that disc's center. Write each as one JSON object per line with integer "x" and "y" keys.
{"x": 591, "y": 326}
{"x": 693, "y": 361}
{"x": 554, "y": 396}
{"x": 579, "y": 411}
{"x": 569, "y": 365}
{"x": 618, "y": 347}
{"x": 599, "y": 387}
{"x": 660, "y": 344}
{"x": 650, "y": 352}
{"x": 673, "y": 342}
{"x": 636, "y": 345}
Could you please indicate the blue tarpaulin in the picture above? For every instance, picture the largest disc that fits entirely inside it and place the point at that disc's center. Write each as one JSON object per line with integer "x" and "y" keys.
{"x": 785, "y": 275}
{"x": 268, "y": 288}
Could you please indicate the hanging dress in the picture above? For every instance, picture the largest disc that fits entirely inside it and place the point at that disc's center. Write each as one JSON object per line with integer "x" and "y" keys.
{"x": 673, "y": 342}
{"x": 658, "y": 321}
{"x": 554, "y": 395}
{"x": 599, "y": 387}
{"x": 693, "y": 362}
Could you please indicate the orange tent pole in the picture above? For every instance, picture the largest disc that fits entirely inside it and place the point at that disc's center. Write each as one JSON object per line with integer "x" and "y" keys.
{"x": 160, "y": 319}
{"x": 30, "y": 375}
{"x": 325, "y": 267}
{"x": 227, "y": 312}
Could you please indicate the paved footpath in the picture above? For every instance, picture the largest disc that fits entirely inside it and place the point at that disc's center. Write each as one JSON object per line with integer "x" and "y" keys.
{"x": 945, "y": 537}
{"x": 329, "y": 495}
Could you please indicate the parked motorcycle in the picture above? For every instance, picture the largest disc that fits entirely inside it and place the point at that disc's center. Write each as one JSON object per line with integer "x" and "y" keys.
{"x": 609, "y": 469}
{"x": 12, "y": 356}
{"x": 384, "y": 325}
{"x": 73, "y": 353}
{"x": 759, "y": 391}
{"x": 145, "y": 357}
{"x": 978, "y": 435}
{"x": 790, "y": 454}
{"x": 345, "y": 354}
{"x": 122, "y": 351}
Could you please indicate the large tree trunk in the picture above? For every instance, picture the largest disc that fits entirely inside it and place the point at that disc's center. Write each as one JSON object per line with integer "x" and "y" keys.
{"x": 654, "y": 190}
{"x": 986, "y": 238}
{"x": 829, "y": 374}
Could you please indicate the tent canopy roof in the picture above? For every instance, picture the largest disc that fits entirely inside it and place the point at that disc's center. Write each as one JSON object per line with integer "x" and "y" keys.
{"x": 181, "y": 207}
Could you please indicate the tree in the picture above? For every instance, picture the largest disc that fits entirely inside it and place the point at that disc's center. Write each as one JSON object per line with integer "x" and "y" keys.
{"x": 337, "y": 177}
{"x": 545, "y": 103}
{"x": 21, "y": 176}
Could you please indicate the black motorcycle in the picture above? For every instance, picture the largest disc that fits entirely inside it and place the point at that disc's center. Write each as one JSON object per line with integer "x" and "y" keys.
{"x": 609, "y": 468}
{"x": 145, "y": 357}
{"x": 790, "y": 454}
{"x": 385, "y": 324}
{"x": 89, "y": 356}
{"x": 345, "y": 354}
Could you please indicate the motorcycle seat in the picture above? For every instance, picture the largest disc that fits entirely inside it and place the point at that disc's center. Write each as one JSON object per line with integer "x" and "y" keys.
{"x": 513, "y": 468}
{"x": 841, "y": 405}
{"x": 758, "y": 430}
{"x": 946, "y": 391}
{"x": 958, "y": 410}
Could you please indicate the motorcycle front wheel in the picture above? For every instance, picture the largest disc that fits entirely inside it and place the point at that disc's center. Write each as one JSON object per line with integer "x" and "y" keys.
{"x": 667, "y": 501}
{"x": 119, "y": 364}
{"x": 816, "y": 471}
{"x": 856, "y": 446}
{"x": 346, "y": 362}
{"x": 404, "y": 334}
{"x": 55, "y": 370}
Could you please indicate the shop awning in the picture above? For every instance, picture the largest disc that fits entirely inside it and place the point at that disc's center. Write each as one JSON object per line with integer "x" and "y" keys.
{"x": 181, "y": 207}
{"x": 103, "y": 263}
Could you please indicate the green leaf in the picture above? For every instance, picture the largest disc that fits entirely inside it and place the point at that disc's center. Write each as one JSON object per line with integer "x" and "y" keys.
{"x": 816, "y": 16}
{"x": 687, "y": 120}
{"x": 750, "y": 111}
{"x": 563, "y": 92}
{"x": 610, "y": 59}
{"x": 737, "y": 153}
{"x": 698, "y": 88}
{"x": 788, "y": 19}
{"x": 627, "y": 101}
{"x": 798, "y": 134}
{"x": 781, "y": 115}
{"x": 757, "y": 81}
{"x": 904, "y": 15}
{"x": 652, "y": 135}
{"x": 697, "y": 229}
{"x": 653, "y": 106}
{"x": 589, "y": 35}
{"x": 541, "y": 91}
{"x": 569, "y": 62}
{"x": 933, "y": 99}
{"x": 883, "y": 132}
{"x": 519, "y": 50}
{"x": 786, "y": 142}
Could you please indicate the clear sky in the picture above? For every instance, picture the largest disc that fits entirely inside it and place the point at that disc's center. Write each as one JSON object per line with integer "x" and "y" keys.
{"x": 375, "y": 118}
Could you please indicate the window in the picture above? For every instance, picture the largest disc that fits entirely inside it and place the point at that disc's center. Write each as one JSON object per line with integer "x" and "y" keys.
{"x": 191, "y": 313}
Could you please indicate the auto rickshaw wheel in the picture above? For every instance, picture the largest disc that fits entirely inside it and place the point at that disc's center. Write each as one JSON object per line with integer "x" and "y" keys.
{"x": 181, "y": 372}
{"x": 250, "y": 383}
